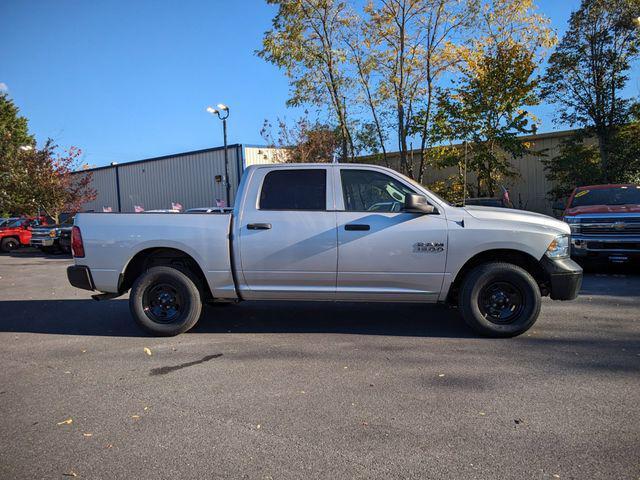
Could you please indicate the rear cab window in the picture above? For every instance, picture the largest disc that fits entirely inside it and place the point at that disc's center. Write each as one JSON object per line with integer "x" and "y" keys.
{"x": 294, "y": 189}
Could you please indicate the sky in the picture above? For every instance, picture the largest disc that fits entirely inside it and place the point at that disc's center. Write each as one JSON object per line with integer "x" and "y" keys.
{"x": 126, "y": 80}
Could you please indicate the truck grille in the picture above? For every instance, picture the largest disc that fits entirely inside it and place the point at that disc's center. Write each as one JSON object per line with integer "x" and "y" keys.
{"x": 611, "y": 226}
{"x": 613, "y": 245}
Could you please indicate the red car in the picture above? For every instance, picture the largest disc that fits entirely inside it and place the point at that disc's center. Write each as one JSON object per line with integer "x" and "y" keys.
{"x": 605, "y": 222}
{"x": 18, "y": 232}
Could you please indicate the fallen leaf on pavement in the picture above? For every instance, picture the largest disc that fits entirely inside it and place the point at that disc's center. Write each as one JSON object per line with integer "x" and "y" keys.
{"x": 68, "y": 421}
{"x": 147, "y": 350}
{"x": 135, "y": 417}
{"x": 482, "y": 413}
{"x": 70, "y": 474}
{"x": 87, "y": 434}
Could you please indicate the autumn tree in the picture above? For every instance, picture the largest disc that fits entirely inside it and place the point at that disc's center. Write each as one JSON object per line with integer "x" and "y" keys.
{"x": 46, "y": 182}
{"x": 306, "y": 41}
{"x": 589, "y": 70}
{"x": 305, "y": 141}
{"x": 487, "y": 105}
{"x": 396, "y": 31}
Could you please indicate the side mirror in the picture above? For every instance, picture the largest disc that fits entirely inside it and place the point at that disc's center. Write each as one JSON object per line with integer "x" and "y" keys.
{"x": 418, "y": 204}
{"x": 558, "y": 205}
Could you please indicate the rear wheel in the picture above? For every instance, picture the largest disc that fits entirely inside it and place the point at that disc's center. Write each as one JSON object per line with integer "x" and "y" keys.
{"x": 166, "y": 301}
{"x": 499, "y": 300}
{"x": 9, "y": 244}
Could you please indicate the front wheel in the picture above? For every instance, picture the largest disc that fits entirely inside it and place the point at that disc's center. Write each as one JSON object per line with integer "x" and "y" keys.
{"x": 499, "y": 300}
{"x": 165, "y": 301}
{"x": 9, "y": 244}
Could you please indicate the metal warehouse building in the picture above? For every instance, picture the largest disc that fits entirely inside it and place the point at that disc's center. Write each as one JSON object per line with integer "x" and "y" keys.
{"x": 193, "y": 179}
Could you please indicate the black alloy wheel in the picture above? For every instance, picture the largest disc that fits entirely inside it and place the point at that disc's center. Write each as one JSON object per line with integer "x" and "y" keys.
{"x": 501, "y": 302}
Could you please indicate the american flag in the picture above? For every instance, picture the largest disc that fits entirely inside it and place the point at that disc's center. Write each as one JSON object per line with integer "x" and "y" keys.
{"x": 138, "y": 209}
{"x": 107, "y": 209}
{"x": 505, "y": 196}
{"x": 176, "y": 206}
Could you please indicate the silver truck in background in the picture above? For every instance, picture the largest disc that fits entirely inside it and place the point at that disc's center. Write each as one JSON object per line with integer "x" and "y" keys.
{"x": 337, "y": 232}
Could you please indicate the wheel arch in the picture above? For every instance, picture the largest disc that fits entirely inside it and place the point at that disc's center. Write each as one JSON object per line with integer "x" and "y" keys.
{"x": 162, "y": 256}
{"x": 504, "y": 255}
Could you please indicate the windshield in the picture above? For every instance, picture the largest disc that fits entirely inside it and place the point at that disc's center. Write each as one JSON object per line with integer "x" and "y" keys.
{"x": 16, "y": 223}
{"x": 607, "y": 196}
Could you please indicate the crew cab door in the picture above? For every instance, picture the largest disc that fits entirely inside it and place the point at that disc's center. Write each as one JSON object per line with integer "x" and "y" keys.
{"x": 383, "y": 252}
{"x": 287, "y": 228}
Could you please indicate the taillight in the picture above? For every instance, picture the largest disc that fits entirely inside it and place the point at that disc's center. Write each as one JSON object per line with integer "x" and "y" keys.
{"x": 76, "y": 243}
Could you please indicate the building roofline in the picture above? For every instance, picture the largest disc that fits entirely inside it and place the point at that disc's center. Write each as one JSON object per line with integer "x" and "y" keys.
{"x": 537, "y": 136}
{"x": 163, "y": 157}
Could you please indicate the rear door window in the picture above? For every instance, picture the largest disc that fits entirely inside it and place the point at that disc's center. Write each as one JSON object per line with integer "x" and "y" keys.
{"x": 299, "y": 189}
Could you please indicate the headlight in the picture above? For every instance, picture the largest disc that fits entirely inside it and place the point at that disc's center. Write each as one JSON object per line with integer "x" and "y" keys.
{"x": 574, "y": 224}
{"x": 559, "y": 247}
{"x": 52, "y": 233}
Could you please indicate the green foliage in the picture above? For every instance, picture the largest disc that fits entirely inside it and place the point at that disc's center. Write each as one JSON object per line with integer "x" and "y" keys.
{"x": 485, "y": 107}
{"x": 14, "y": 134}
{"x": 305, "y": 41}
{"x": 32, "y": 179}
{"x": 579, "y": 162}
{"x": 589, "y": 69}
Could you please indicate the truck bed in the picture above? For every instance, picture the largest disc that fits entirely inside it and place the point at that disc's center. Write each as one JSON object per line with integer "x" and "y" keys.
{"x": 111, "y": 240}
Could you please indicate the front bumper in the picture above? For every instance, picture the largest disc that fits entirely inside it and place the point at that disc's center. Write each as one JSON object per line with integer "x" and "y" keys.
{"x": 565, "y": 277}
{"x": 615, "y": 248}
{"x": 80, "y": 277}
{"x": 42, "y": 242}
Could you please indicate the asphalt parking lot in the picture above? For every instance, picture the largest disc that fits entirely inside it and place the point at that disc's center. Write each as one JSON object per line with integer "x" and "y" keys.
{"x": 312, "y": 390}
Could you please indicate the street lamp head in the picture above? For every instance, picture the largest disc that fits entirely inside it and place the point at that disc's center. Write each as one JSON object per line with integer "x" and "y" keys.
{"x": 212, "y": 110}
{"x": 223, "y": 107}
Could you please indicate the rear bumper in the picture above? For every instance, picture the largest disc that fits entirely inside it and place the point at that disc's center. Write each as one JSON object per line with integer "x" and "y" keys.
{"x": 80, "y": 277}
{"x": 565, "y": 277}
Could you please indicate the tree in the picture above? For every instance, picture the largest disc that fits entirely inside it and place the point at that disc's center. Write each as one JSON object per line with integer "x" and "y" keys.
{"x": 305, "y": 41}
{"x": 443, "y": 22}
{"x": 304, "y": 142}
{"x": 396, "y": 31}
{"x": 14, "y": 135}
{"x": 589, "y": 69}
{"x": 579, "y": 161}
{"x": 487, "y": 103}
{"x": 47, "y": 182}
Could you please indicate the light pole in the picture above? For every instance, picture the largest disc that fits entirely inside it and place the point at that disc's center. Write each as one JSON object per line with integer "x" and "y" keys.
{"x": 223, "y": 113}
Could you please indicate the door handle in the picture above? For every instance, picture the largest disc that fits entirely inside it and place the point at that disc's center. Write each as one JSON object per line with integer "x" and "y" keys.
{"x": 357, "y": 227}
{"x": 258, "y": 226}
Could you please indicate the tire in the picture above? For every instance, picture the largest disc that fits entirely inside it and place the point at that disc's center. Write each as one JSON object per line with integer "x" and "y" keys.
{"x": 9, "y": 244}
{"x": 166, "y": 301}
{"x": 499, "y": 300}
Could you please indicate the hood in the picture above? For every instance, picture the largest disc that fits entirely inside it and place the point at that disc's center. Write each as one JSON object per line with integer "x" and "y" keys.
{"x": 570, "y": 212}
{"x": 545, "y": 222}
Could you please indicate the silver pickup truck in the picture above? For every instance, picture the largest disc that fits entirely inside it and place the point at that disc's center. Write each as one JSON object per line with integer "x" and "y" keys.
{"x": 337, "y": 232}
